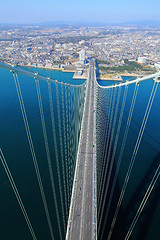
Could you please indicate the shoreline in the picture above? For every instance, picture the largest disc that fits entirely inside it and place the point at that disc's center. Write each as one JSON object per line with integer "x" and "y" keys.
{"x": 118, "y": 77}
{"x": 110, "y": 79}
{"x": 84, "y": 75}
{"x": 51, "y": 68}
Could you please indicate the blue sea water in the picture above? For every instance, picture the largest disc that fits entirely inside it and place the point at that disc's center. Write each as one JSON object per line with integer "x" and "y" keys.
{"x": 14, "y": 144}
{"x": 57, "y": 75}
{"x": 15, "y": 147}
{"x": 145, "y": 165}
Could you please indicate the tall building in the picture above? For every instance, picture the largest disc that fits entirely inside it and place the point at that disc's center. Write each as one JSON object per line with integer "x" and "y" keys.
{"x": 82, "y": 56}
{"x": 142, "y": 60}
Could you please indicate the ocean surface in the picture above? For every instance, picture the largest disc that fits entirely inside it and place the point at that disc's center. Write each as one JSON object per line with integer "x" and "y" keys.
{"x": 14, "y": 144}
{"x": 145, "y": 165}
{"x": 15, "y": 147}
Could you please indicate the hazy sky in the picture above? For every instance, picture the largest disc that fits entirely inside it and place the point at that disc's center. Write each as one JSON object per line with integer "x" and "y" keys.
{"x": 34, "y": 11}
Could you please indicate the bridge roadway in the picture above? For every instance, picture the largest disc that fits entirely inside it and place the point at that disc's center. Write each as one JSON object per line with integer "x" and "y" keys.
{"x": 82, "y": 215}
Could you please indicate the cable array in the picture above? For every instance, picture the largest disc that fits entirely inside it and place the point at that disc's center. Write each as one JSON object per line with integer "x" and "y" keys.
{"x": 109, "y": 176}
{"x": 66, "y": 105}
{"x": 69, "y": 101}
{"x": 30, "y": 141}
{"x": 18, "y": 197}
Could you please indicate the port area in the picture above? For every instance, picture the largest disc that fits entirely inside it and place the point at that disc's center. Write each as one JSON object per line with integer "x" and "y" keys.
{"x": 115, "y": 76}
{"x": 83, "y": 74}
{"x": 105, "y": 77}
{"x": 80, "y": 74}
{"x": 110, "y": 77}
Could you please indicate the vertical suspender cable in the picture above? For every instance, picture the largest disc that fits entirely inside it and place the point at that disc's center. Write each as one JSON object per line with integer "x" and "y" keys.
{"x": 107, "y": 150}
{"x": 106, "y": 141}
{"x": 65, "y": 147}
{"x": 61, "y": 149}
{"x": 56, "y": 152}
{"x": 29, "y": 137}
{"x": 72, "y": 133}
{"x": 68, "y": 145}
{"x": 69, "y": 133}
{"x": 113, "y": 156}
{"x": 108, "y": 110}
{"x": 110, "y": 162}
{"x": 47, "y": 147}
{"x": 140, "y": 135}
{"x": 126, "y": 133}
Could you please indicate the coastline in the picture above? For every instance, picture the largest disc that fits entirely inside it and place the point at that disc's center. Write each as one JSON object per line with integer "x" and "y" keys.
{"x": 105, "y": 77}
{"x": 118, "y": 77}
{"x": 51, "y": 68}
{"x": 110, "y": 79}
{"x": 83, "y": 76}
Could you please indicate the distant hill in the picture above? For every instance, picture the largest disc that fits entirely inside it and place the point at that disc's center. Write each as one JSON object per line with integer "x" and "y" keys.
{"x": 68, "y": 24}
{"x": 150, "y": 23}
{"x": 71, "y": 23}
{"x": 139, "y": 23}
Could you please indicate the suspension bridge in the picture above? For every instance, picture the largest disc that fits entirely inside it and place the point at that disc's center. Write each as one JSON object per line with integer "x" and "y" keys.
{"x": 90, "y": 128}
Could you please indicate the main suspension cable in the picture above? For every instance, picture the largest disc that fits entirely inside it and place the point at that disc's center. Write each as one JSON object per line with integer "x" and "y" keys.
{"x": 29, "y": 137}
{"x": 18, "y": 197}
{"x": 144, "y": 122}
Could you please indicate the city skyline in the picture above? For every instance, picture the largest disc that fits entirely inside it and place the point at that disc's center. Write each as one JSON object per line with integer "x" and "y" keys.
{"x": 91, "y": 11}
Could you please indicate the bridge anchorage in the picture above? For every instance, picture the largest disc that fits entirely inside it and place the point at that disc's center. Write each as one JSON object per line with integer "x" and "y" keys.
{"x": 91, "y": 201}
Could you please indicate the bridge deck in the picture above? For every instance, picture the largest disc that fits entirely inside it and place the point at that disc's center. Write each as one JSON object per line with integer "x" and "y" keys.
{"x": 81, "y": 223}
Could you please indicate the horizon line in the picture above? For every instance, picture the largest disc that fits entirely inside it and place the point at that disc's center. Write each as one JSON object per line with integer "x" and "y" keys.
{"x": 79, "y": 22}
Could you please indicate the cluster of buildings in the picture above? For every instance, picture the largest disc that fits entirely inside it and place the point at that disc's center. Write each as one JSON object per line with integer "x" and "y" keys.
{"x": 69, "y": 47}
